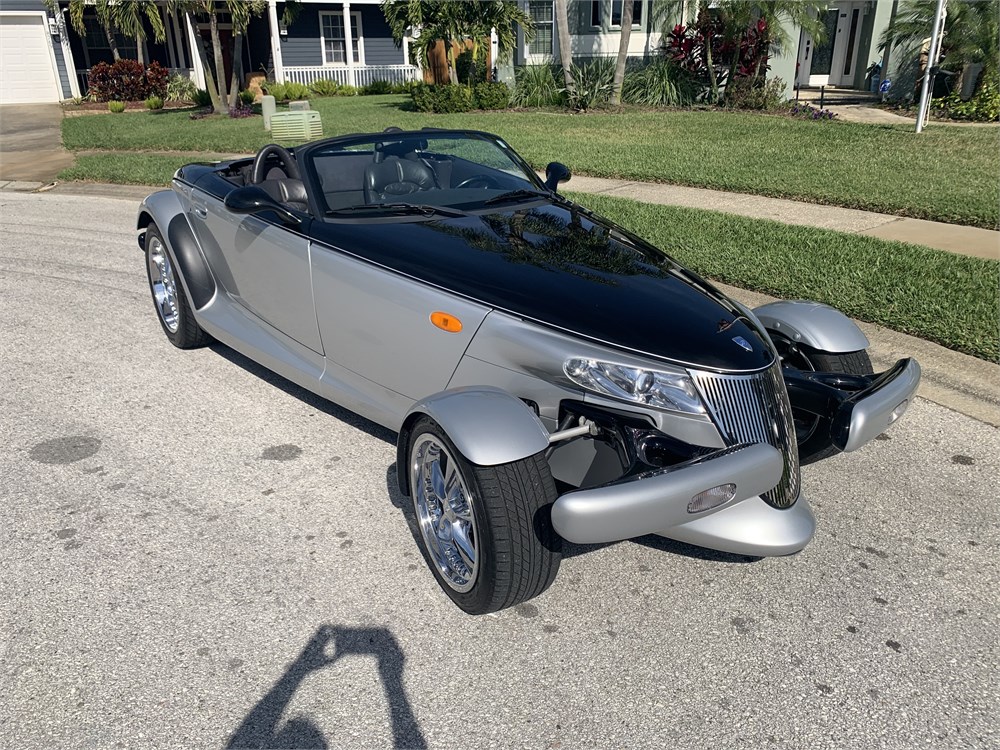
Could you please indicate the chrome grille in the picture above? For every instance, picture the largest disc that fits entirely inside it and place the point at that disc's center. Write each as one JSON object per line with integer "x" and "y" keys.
{"x": 755, "y": 409}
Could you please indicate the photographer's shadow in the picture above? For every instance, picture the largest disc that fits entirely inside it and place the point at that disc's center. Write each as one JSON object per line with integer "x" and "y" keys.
{"x": 263, "y": 727}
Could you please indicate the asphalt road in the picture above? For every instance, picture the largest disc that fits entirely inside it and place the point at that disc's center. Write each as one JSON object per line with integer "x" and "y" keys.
{"x": 195, "y": 553}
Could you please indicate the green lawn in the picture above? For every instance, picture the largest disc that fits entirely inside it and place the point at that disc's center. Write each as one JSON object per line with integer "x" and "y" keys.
{"x": 939, "y": 296}
{"x": 946, "y": 173}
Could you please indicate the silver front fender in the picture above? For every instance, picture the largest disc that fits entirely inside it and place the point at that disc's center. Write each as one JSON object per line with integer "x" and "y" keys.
{"x": 488, "y": 426}
{"x": 813, "y": 324}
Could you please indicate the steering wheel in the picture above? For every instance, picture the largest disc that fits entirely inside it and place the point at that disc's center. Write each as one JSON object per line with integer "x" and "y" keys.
{"x": 259, "y": 172}
{"x": 481, "y": 181}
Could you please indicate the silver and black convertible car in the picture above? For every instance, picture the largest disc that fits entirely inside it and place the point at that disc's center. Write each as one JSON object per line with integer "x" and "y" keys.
{"x": 551, "y": 376}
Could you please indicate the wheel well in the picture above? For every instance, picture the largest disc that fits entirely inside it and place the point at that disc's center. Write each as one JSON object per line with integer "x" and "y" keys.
{"x": 142, "y": 224}
{"x": 402, "y": 475}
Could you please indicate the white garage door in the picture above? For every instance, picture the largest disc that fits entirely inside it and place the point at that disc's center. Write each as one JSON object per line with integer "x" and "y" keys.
{"x": 26, "y": 74}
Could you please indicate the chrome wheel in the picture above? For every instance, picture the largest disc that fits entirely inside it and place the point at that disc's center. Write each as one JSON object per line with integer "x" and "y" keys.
{"x": 163, "y": 283}
{"x": 443, "y": 505}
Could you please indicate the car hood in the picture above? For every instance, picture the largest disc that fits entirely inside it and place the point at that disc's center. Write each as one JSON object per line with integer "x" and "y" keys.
{"x": 561, "y": 266}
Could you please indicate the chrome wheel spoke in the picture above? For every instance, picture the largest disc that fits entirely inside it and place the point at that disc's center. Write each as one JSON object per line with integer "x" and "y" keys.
{"x": 444, "y": 513}
{"x": 164, "y": 285}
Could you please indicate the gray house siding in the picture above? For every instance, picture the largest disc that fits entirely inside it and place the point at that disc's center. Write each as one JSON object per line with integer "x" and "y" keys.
{"x": 302, "y": 44}
{"x": 67, "y": 92}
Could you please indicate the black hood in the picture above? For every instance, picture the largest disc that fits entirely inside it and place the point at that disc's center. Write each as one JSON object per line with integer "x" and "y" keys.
{"x": 564, "y": 267}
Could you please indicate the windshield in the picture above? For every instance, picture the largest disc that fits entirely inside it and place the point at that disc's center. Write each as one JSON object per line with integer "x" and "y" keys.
{"x": 458, "y": 171}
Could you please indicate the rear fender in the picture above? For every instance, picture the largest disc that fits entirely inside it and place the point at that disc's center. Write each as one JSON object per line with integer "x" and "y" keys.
{"x": 488, "y": 426}
{"x": 166, "y": 210}
{"x": 813, "y": 324}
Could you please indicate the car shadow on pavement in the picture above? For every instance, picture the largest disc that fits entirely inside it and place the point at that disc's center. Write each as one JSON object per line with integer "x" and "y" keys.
{"x": 263, "y": 726}
{"x": 308, "y": 397}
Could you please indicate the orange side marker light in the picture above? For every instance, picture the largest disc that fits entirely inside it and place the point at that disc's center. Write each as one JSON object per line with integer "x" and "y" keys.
{"x": 446, "y": 322}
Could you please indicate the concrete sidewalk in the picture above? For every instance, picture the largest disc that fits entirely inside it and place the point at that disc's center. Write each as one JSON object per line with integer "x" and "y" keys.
{"x": 955, "y": 238}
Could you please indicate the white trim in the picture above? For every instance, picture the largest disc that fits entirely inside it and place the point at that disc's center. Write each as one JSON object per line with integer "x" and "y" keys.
{"x": 348, "y": 32}
{"x": 272, "y": 22}
{"x": 41, "y": 14}
{"x": 168, "y": 33}
{"x": 74, "y": 84}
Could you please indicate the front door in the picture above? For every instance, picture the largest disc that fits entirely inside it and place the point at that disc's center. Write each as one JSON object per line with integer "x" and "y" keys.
{"x": 833, "y": 61}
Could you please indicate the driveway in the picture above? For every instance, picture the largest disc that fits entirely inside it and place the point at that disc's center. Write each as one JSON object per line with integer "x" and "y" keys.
{"x": 31, "y": 143}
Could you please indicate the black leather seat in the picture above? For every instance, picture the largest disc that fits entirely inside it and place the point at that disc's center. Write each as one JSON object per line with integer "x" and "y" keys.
{"x": 287, "y": 191}
{"x": 392, "y": 176}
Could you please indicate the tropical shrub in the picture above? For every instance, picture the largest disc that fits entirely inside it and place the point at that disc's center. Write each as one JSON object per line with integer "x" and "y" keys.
{"x": 201, "y": 98}
{"x": 406, "y": 87}
{"x": 492, "y": 95}
{"x": 469, "y": 70}
{"x": 443, "y": 99}
{"x": 126, "y": 80}
{"x": 288, "y": 91}
{"x": 658, "y": 84}
{"x": 247, "y": 97}
{"x": 154, "y": 102}
{"x": 756, "y": 93}
{"x": 983, "y": 107}
{"x": 323, "y": 87}
{"x": 116, "y": 107}
{"x": 180, "y": 89}
{"x": 535, "y": 86}
{"x": 592, "y": 83}
{"x": 346, "y": 89}
{"x": 377, "y": 87}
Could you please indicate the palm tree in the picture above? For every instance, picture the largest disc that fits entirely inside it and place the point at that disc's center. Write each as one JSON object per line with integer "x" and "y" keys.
{"x": 102, "y": 8}
{"x": 565, "y": 49}
{"x": 129, "y": 17}
{"x": 971, "y": 33}
{"x": 242, "y": 11}
{"x": 628, "y": 8}
{"x": 449, "y": 22}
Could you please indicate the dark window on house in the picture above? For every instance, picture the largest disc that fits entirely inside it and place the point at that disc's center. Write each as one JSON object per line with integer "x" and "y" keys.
{"x": 616, "y": 13}
{"x": 595, "y": 13}
{"x": 97, "y": 39}
{"x": 541, "y": 14}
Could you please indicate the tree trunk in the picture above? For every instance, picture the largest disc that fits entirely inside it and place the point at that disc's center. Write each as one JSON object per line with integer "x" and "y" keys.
{"x": 220, "y": 65}
{"x": 616, "y": 89}
{"x": 213, "y": 91}
{"x": 565, "y": 48}
{"x": 712, "y": 80}
{"x": 236, "y": 80}
{"x": 449, "y": 56}
{"x": 112, "y": 44}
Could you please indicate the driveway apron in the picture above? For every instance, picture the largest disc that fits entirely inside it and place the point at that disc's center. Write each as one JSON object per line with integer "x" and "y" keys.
{"x": 31, "y": 143}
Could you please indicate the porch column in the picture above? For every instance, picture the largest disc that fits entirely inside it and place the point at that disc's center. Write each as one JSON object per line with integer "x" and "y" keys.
{"x": 349, "y": 45}
{"x": 170, "y": 37}
{"x": 178, "y": 41}
{"x": 199, "y": 71}
{"x": 74, "y": 82}
{"x": 275, "y": 34}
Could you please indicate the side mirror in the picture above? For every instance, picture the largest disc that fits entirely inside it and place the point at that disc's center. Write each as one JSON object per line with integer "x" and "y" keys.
{"x": 555, "y": 173}
{"x": 253, "y": 200}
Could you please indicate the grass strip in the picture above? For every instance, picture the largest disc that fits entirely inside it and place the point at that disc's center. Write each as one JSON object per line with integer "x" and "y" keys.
{"x": 946, "y": 173}
{"x": 129, "y": 169}
{"x": 947, "y": 298}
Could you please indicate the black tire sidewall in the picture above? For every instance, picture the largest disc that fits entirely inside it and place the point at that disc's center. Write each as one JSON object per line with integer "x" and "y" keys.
{"x": 189, "y": 334}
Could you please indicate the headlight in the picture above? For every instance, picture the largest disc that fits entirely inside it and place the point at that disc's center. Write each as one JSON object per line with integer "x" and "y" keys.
{"x": 662, "y": 389}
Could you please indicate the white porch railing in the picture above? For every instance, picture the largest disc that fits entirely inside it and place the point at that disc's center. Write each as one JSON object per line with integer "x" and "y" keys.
{"x": 363, "y": 74}
{"x": 81, "y": 76}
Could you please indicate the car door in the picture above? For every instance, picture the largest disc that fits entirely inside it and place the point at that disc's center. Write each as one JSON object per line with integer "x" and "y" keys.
{"x": 263, "y": 264}
{"x": 378, "y": 325}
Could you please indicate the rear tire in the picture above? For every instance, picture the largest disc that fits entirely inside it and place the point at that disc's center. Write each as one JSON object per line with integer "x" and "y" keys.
{"x": 485, "y": 531}
{"x": 813, "y": 432}
{"x": 172, "y": 307}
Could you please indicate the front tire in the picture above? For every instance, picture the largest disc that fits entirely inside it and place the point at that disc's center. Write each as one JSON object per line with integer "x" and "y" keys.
{"x": 811, "y": 431}
{"x": 172, "y": 307}
{"x": 485, "y": 531}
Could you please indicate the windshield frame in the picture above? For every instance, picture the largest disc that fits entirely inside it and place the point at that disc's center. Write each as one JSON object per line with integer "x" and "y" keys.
{"x": 307, "y": 154}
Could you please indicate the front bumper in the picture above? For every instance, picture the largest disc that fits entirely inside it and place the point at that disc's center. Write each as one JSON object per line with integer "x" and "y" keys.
{"x": 657, "y": 503}
{"x": 868, "y": 413}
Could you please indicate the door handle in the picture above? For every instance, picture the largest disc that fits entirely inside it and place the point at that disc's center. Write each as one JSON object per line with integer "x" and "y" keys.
{"x": 200, "y": 211}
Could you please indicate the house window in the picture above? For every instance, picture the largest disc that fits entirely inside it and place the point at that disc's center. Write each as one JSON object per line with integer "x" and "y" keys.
{"x": 595, "y": 13}
{"x": 541, "y": 14}
{"x": 96, "y": 39}
{"x": 616, "y": 13}
{"x": 332, "y": 38}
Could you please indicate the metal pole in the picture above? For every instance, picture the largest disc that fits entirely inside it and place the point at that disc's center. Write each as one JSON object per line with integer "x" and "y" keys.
{"x": 931, "y": 63}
